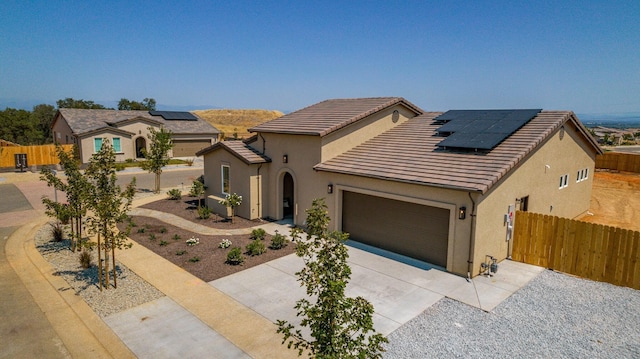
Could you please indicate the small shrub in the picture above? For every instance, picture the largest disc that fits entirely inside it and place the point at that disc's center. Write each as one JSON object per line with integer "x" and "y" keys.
{"x": 181, "y": 252}
{"x": 57, "y": 232}
{"x": 235, "y": 257}
{"x": 141, "y": 230}
{"x": 278, "y": 241}
{"x": 204, "y": 212}
{"x": 193, "y": 241}
{"x": 120, "y": 166}
{"x": 174, "y": 194}
{"x": 256, "y": 248}
{"x": 189, "y": 162}
{"x": 258, "y": 233}
{"x": 163, "y": 230}
{"x": 176, "y": 237}
{"x": 163, "y": 243}
{"x": 129, "y": 160}
{"x": 85, "y": 258}
{"x": 152, "y": 237}
{"x": 194, "y": 259}
{"x": 225, "y": 243}
{"x": 132, "y": 223}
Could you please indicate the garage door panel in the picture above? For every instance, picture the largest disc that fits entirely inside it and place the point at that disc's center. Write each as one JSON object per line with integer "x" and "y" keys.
{"x": 410, "y": 229}
{"x": 186, "y": 148}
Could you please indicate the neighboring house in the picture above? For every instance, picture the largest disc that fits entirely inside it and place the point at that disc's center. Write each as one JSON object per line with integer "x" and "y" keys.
{"x": 436, "y": 187}
{"x": 606, "y": 135}
{"x": 128, "y": 131}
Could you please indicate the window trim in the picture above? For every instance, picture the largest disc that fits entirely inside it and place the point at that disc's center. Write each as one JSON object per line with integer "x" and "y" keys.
{"x": 222, "y": 179}
{"x": 119, "y": 147}
{"x": 96, "y": 141}
{"x": 564, "y": 181}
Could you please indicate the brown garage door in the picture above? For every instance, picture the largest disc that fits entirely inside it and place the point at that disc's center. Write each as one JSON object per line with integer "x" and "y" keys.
{"x": 410, "y": 229}
{"x": 188, "y": 148}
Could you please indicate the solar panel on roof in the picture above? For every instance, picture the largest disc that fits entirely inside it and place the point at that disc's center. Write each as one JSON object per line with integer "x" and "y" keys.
{"x": 481, "y": 129}
{"x": 174, "y": 115}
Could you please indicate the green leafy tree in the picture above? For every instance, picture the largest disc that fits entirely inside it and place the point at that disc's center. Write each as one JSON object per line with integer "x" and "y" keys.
{"x": 197, "y": 190}
{"x": 148, "y": 104}
{"x": 233, "y": 201}
{"x": 19, "y": 127}
{"x": 109, "y": 206}
{"x": 341, "y": 327}
{"x": 42, "y": 116}
{"x": 76, "y": 188}
{"x": 70, "y": 102}
{"x": 157, "y": 156}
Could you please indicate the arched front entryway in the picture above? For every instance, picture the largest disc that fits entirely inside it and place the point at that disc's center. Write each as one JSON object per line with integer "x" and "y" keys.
{"x": 288, "y": 200}
{"x": 141, "y": 144}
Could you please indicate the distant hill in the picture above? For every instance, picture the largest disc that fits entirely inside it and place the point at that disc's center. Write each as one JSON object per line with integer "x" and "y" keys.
{"x": 237, "y": 121}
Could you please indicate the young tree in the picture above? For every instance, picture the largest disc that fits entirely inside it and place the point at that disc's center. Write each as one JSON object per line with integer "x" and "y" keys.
{"x": 156, "y": 157}
{"x": 341, "y": 327}
{"x": 232, "y": 200}
{"x": 75, "y": 188}
{"x": 109, "y": 206}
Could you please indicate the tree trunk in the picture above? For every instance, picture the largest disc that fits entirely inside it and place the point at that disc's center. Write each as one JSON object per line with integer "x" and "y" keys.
{"x": 157, "y": 183}
{"x": 73, "y": 236}
{"x": 99, "y": 264}
{"x": 106, "y": 265}
{"x": 113, "y": 258}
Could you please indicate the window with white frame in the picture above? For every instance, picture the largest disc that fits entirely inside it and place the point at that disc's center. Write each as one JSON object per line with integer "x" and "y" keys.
{"x": 97, "y": 144}
{"x": 564, "y": 181}
{"x": 116, "y": 145}
{"x": 583, "y": 174}
{"x": 225, "y": 169}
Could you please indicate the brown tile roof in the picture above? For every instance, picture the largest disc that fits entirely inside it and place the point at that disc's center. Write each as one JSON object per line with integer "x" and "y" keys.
{"x": 82, "y": 121}
{"x": 330, "y": 115}
{"x": 409, "y": 153}
{"x": 239, "y": 149}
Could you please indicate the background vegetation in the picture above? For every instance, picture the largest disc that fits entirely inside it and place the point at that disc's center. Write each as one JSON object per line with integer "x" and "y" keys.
{"x": 234, "y": 123}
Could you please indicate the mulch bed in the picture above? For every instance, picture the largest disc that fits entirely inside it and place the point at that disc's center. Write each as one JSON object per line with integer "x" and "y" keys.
{"x": 169, "y": 241}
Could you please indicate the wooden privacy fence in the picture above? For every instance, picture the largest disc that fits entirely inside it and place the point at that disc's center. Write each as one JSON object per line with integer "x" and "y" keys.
{"x": 628, "y": 162}
{"x": 589, "y": 250}
{"x": 36, "y": 155}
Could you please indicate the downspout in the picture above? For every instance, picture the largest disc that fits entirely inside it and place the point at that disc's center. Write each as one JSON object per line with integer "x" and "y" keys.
{"x": 471, "y": 232}
{"x": 258, "y": 204}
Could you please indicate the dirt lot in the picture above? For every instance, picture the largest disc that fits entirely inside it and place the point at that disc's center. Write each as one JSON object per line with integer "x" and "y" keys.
{"x": 615, "y": 200}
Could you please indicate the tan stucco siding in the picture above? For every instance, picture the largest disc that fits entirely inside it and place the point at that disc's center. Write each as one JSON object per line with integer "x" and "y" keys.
{"x": 538, "y": 177}
{"x": 302, "y": 152}
{"x": 87, "y": 148}
{"x": 61, "y": 132}
{"x": 243, "y": 180}
{"x": 355, "y": 134}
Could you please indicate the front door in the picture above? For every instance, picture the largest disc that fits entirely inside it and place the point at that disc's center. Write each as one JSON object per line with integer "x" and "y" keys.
{"x": 287, "y": 196}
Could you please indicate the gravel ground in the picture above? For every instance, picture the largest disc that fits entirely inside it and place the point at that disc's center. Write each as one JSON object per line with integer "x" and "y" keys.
{"x": 131, "y": 292}
{"x": 554, "y": 316}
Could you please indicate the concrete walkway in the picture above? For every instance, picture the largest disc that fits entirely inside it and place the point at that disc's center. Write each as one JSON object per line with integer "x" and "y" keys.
{"x": 232, "y": 316}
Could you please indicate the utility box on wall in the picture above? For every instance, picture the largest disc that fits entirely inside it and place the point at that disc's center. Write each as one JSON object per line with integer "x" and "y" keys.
{"x": 21, "y": 161}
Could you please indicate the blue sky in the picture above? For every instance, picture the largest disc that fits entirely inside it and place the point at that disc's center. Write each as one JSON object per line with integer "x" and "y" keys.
{"x": 582, "y": 56}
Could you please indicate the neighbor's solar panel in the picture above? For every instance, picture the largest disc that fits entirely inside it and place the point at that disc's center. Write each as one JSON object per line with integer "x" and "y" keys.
{"x": 481, "y": 129}
{"x": 174, "y": 115}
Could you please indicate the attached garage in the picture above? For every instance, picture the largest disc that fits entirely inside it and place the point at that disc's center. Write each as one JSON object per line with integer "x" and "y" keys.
{"x": 188, "y": 148}
{"x": 414, "y": 230}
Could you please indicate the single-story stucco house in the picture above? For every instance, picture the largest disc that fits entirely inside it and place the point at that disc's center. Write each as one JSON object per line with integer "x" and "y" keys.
{"x": 128, "y": 131}
{"x": 436, "y": 187}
